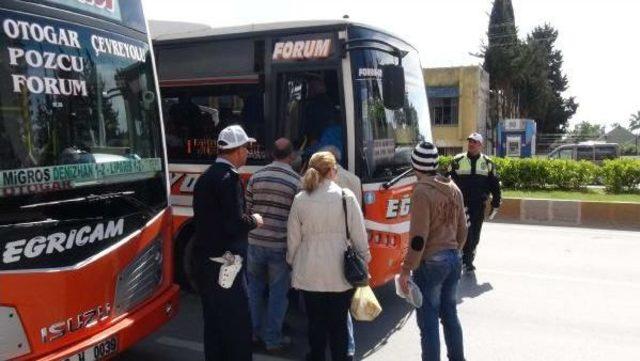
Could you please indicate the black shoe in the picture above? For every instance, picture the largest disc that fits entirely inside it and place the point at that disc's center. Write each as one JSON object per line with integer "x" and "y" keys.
{"x": 257, "y": 344}
{"x": 278, "y": 350}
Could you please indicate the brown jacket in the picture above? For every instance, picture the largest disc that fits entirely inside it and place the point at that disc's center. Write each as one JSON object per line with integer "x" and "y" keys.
{"x": 438, "y": 220}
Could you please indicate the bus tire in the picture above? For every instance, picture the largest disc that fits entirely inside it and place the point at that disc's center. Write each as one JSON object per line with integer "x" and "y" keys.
{"x": 184, "y": 271}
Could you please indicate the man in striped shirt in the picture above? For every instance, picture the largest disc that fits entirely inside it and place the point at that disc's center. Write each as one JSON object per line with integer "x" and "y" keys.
{"x": 270, "y": 192}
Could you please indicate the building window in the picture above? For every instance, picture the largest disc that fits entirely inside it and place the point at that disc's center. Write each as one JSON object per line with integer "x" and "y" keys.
{"x": 444, "y": 111}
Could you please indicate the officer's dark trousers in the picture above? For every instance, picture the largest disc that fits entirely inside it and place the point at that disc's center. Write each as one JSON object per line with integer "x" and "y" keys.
{"x": 476, "y": 218}
{"x": 227, "y": 321}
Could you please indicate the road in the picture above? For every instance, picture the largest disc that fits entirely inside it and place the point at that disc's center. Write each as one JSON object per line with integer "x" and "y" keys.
{"x": 539, "y": 293}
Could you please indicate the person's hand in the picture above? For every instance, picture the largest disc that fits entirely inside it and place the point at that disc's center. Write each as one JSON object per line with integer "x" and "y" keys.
{"x": 404, "y": 281}
{"x": 258, "y": 218}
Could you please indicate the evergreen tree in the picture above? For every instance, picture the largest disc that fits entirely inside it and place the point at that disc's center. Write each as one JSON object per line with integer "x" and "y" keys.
{"x": 527, "y": 80}
{"x": 502, "y": 57}
{"x": 544, "y": 82}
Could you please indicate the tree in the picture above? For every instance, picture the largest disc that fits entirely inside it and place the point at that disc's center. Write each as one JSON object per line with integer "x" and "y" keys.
{"x": 526, "y": 77}
{"x": 543, "y": 83}
{"x": 502, "y": 56}
{"x": 634, "y": 122}
{"x": 584, "y": 131}
{"x": 634, "y": 126}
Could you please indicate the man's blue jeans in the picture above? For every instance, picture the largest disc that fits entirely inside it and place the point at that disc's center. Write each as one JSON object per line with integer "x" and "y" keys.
{"x": 267, "y": 267}
{"x": 438, "y": 278}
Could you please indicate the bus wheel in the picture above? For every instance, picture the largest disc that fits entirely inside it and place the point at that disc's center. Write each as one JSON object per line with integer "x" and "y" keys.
{"x": 187, "y": 265}
{"x": 184, "y": 271}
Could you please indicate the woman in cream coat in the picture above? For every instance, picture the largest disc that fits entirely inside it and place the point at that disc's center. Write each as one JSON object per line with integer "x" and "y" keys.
{"x": 316, "y": 243}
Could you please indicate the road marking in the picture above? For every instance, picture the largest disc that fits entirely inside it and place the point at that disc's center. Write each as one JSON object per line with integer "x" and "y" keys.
{"x": 563, "y": 278}
{"x": 199, "y": 347}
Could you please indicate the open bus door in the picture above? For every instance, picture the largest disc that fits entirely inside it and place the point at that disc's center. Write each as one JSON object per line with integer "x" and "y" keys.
{"x": 310, "y": 111}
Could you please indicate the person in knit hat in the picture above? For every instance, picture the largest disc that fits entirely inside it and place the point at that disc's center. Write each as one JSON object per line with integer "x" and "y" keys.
{"x": 437, "y": 235}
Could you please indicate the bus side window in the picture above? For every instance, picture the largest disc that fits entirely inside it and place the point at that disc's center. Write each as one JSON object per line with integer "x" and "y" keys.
{"x": 194, "y": 117}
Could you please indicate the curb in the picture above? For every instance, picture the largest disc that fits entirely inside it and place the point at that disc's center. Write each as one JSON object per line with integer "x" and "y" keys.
{"x": 570, "y": 213}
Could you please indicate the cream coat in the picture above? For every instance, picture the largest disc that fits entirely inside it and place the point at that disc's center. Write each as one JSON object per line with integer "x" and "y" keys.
{"x": 316, "y": 238}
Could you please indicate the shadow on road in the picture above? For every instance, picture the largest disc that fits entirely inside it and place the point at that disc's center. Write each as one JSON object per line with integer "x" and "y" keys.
{"x": 182, "y": 337}
{"x": 371, "y": 336}
{"x": 469, "y": 287}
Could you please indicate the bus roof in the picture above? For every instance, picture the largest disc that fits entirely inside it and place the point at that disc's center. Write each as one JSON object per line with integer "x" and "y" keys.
{"x": 173, "y": 32}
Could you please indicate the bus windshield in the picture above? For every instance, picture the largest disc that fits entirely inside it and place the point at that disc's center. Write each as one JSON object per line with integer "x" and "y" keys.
{"x": 78, "y": 108}
{"x": 388, "y": 136}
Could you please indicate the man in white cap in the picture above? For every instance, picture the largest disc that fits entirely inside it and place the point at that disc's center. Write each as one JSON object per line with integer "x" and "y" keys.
{"x": 476, "y": 176}
{"x": 437, "y": 235}
{"x": 222, "y": 227}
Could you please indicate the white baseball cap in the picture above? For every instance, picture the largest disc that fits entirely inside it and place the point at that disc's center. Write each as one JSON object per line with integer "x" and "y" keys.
{"x": 477, "y": 137}
{"x": 233, "y": 136}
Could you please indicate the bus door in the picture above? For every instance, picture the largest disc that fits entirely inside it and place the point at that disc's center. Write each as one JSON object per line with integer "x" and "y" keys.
{"x": 310, "y": 111}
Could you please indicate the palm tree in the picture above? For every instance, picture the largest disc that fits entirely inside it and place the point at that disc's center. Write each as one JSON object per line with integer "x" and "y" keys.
{"x": 634, "y": 121}
{"x": 634, "y": 126}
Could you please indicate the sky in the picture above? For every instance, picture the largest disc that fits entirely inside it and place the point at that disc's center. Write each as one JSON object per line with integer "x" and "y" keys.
{"x": 599, "y": 40}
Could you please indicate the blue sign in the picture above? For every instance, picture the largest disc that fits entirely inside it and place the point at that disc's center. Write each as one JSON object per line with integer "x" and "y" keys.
{"x": 369, "y": 197}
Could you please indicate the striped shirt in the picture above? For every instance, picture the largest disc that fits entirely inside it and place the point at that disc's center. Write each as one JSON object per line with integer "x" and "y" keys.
{"x": 270, "y": 193}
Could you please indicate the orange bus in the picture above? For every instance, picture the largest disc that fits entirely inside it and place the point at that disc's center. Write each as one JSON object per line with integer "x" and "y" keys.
{"x": 357, "y": 85}
{"x": 85, "y": 226}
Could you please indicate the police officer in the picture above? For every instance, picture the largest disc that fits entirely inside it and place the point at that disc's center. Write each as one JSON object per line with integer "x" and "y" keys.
{"x": 222, "y": 226}
{"x": 476, "y": 176}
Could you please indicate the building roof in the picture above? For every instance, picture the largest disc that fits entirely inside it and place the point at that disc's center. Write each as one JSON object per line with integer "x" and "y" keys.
{"x": 619, "y": 135}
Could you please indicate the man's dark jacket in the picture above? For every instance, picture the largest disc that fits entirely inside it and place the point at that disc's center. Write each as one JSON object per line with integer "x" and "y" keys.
{"x": 219, "y": 213}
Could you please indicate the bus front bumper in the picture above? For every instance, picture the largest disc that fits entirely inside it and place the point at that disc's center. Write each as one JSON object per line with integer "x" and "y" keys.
{"x": 127, "y": 331}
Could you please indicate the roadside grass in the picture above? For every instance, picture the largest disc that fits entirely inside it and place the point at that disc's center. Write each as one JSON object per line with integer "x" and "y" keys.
{"x": 591, "y": 194}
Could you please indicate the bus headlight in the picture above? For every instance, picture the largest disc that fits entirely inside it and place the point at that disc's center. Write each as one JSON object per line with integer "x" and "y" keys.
{"x": 13, "y": 341}
{"x": 140, "y": 279}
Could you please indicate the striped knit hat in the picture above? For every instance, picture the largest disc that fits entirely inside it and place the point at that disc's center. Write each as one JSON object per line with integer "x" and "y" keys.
{"x": 425, "y": 157}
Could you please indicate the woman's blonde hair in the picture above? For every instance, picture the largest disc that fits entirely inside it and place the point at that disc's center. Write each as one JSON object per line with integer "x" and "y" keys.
{"x": 320, "y": 165}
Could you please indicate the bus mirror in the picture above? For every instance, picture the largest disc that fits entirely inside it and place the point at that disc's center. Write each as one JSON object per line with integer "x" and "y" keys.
{"x": 393, "y": 86}
{"x": 148, "y": 98}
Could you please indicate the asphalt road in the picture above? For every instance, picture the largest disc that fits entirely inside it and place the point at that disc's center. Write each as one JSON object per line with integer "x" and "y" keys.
{"x": 540, "y": 293}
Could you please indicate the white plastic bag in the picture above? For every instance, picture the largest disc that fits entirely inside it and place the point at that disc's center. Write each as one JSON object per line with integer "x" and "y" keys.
{"x": 365, "y": 305}
{"x": 414, "y": 297}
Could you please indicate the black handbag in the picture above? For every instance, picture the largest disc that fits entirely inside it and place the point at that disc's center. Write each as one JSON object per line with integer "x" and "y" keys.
{"x": 355, "y": 268}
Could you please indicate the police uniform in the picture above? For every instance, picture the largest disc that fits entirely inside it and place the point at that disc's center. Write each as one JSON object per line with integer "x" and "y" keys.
{"x": 477, "y": 178}
{"x": 221, "y": 225}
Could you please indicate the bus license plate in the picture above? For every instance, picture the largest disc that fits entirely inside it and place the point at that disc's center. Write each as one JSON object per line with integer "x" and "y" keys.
{"x": 99, "y": 351}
